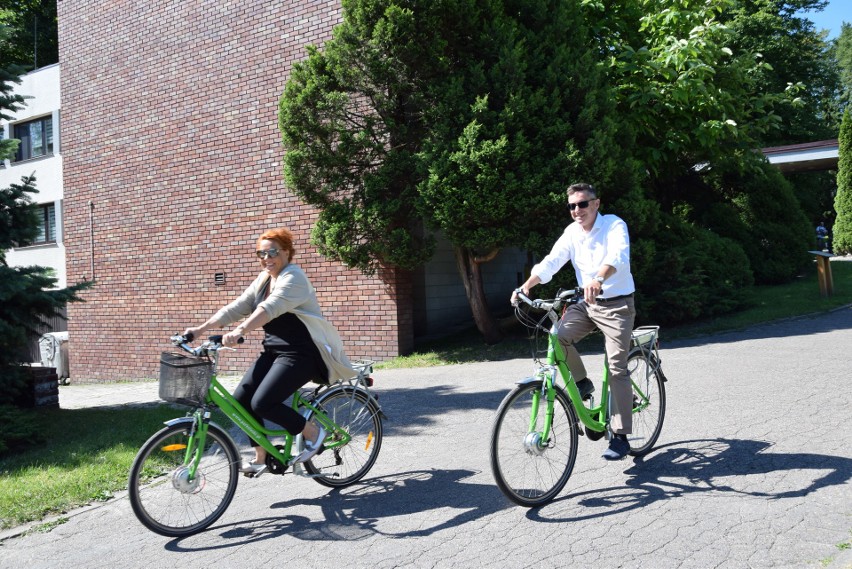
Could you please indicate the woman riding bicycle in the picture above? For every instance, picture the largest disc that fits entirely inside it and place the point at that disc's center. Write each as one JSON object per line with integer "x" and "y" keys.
{"x": 299, "y": 344}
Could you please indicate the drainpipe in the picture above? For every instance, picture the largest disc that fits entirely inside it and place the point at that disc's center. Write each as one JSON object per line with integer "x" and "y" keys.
{"x": 92, "y": 237}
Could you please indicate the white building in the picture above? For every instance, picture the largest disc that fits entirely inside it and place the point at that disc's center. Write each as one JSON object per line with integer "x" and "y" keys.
{"x": 37, "y": 127}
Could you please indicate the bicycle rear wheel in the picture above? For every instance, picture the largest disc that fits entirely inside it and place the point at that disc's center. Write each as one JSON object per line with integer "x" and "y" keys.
{"x": 649, "y": 402}
{"x": 354, "y": 412}
{"x": 164, "y": 497}
{"x": 529, "y": 471}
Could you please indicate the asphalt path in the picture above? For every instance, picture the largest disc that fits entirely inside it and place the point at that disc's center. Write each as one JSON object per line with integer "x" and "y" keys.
{"x": 752, "y": 469}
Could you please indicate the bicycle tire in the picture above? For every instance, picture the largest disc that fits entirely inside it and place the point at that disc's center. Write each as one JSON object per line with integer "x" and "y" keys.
{"x": 528, "y": 473}
{"x": 648, "y": 418}
{"x": 162, "y": 496}
{"x": 353, "y": 411}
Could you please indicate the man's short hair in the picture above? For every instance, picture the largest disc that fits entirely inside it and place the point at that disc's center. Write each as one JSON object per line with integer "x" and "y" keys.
{"x": 588, "y": 188}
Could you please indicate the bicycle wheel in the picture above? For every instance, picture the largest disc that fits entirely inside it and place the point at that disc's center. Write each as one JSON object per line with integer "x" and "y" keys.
{"x": 649, "y": 402}
{"x": 529, "y": 471}
{"x": 163, "y": 496}
{"x": 354, "y": 412}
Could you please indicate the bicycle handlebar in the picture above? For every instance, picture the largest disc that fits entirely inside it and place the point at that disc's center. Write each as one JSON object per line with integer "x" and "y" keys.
{"x": 213, "y": 343}
{"x": 570, "y": 296}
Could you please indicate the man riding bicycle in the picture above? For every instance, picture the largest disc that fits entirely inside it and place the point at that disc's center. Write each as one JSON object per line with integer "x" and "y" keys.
{"x": 598, "y": 246}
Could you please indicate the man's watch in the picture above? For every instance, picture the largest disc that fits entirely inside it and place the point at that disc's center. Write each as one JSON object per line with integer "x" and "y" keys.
{"x": 599, "y": 278}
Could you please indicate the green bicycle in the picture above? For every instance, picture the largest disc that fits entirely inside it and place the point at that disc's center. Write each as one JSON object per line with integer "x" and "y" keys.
{"x": 185, "y": 476}
{"x": 535, "y": 433}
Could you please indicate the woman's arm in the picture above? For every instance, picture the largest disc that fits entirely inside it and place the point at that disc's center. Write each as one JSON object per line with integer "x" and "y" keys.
{"x": 257, "y": 319}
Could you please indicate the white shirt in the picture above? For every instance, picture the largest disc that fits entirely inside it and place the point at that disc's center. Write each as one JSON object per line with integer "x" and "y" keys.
{"x": 608, "y": 243}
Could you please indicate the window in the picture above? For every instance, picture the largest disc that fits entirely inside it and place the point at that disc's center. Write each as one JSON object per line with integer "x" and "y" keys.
{"x": 47, "y": 224}
{"x": 36, "y": 138}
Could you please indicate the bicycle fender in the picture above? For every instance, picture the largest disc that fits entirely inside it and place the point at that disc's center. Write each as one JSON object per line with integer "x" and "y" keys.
{"x": 348, "y": 389}
{"x": 180, "y": 420}
{"x": 528, "y": 380}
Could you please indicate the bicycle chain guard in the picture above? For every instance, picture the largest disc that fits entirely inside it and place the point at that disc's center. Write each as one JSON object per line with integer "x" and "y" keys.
{"x": 273, "y": 464}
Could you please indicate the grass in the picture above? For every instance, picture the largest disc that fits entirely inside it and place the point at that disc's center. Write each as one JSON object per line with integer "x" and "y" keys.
{"x": 85, "y": 459}
{"x": 87, "y": 452}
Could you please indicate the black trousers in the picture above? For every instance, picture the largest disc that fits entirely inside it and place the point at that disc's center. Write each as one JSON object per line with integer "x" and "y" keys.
{"x": 275, "y": 376}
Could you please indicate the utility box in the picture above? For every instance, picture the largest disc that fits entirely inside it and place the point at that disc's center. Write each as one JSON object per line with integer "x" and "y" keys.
{"x": 53, "y": 348}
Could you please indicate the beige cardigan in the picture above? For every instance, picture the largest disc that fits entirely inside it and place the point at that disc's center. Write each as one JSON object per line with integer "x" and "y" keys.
{"x": 293, "y": 292}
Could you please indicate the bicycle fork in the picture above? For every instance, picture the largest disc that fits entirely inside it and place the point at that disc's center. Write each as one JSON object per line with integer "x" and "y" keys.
{"x": 536, "y": 442}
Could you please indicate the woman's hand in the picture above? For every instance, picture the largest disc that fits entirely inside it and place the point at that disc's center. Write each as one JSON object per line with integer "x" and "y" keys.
{"x": 232, "y": 338}
{"x": 194, "y": 333}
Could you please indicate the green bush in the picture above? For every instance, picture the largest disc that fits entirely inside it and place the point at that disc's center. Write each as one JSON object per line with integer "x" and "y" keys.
{"x": 758, "y": 209}
{"x": 18, "y": 429}
{"x": 842, "y": 230}
{"x": 694, "y": 274}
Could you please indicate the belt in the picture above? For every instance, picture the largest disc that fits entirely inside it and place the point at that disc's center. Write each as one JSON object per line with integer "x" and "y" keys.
{"x": 613, "y": 298}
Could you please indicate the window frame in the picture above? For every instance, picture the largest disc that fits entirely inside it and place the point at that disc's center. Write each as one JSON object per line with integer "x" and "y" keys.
{"x": 25, "y": 148}
{"x": 45, "y": 211}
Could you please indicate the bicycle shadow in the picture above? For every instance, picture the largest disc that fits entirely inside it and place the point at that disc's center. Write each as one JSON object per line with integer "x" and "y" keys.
{"x": 354, "y": 513}
{"x": 705, "y": 465}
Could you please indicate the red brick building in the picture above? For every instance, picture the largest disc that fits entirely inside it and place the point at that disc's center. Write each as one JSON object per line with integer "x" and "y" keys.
{"x": 173, "y": 167}
{"x": 172, "y": 161}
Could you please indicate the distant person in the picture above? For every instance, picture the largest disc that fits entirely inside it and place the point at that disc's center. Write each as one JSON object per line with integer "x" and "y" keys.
{"x": 822, "y": 237}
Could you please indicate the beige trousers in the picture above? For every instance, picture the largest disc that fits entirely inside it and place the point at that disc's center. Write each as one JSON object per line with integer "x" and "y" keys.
{"x": 615, "y": 320}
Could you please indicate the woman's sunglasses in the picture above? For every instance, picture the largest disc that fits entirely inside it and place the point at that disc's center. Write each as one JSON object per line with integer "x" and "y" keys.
{"x": 271, "y": 252}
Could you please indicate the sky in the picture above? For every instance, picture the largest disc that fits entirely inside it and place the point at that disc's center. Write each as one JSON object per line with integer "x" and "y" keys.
{"x": 837, "y": 12}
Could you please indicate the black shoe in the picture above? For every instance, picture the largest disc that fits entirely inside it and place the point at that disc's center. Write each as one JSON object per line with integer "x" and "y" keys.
{"x": 618, "y": 448}
{"x": 586, "y": 388}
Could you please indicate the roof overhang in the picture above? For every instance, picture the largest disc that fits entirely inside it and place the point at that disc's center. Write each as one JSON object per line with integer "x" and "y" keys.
{"x": 807, "y": 157}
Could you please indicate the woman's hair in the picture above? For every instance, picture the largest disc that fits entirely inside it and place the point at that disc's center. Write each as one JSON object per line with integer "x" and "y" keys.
{"x": 282, "y": 237}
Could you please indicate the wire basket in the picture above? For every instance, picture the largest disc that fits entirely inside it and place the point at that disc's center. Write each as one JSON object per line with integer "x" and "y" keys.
{"x": 184, "y": 379}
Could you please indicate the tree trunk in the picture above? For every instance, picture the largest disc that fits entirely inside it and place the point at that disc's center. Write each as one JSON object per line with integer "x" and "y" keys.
{"x": 472, "y": 279}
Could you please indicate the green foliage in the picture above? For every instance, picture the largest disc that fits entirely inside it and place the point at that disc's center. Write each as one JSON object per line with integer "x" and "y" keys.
{"x": 843, "y": 54}
{"x": 688, "y": 97}
{"x": 9, "y": 101}
{"x": 352, "y": 122}
{"x": 524, "y": 111}
{"x": 32, "y": 40}
{"x": 18, "y": 429}
{"x": 27, "y": 294}
{"x": 794, "y": 53}
{"x": 842, "y": 230}
{"x": 767, "y": 220}
{"x": 694, "y": 274}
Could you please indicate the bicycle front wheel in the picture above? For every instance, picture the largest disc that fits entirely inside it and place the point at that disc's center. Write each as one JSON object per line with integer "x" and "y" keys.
{"x": 163, "y": 494}
{"x": 354, "y": 412}
{"x": 649, "y": 402}
{"x": 528, "y": 470}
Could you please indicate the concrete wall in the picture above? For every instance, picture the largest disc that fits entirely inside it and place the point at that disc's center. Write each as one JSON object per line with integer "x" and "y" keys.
{"x": 42, "y": 89}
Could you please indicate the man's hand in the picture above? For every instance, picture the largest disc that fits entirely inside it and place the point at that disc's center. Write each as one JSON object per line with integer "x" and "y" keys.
{"x": 591, "y": 291}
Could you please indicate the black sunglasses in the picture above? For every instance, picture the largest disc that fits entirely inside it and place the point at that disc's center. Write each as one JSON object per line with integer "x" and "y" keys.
{"x": 271, "y": 252}
{"x": 582, "y": 205}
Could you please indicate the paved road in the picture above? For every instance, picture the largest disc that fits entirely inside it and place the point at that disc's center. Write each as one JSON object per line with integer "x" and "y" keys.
{"x": 752, "y": 470}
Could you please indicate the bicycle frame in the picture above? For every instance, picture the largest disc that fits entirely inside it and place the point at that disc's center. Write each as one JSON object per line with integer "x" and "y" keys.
{"x": 556, "y": 361}
{"x": 218, "y": 396}
{"x": 594, "y": 418}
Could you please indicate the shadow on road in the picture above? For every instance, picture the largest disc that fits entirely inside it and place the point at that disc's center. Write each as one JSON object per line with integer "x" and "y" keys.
{"x": 353, "y": 513}
{"x": 719, "y": 466}
{"x": 409, "y": 411}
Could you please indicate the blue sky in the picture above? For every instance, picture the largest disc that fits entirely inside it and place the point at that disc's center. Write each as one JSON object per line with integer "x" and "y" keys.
{"x": 837, "y": 12}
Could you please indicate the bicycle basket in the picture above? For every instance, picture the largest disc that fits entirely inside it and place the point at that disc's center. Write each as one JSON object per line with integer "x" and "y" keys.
{"x": 184, "y": 379}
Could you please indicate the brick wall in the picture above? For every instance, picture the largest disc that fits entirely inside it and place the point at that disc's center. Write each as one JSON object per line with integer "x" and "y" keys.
{"x": 173, "y": 167}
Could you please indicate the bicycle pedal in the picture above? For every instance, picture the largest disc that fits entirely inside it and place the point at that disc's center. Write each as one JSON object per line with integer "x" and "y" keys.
{"x": 255, "y": 474}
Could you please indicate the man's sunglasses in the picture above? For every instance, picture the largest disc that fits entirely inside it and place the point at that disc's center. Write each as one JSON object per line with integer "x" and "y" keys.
{"x": 582, "y": 205}
{"x": 271, "y": 252}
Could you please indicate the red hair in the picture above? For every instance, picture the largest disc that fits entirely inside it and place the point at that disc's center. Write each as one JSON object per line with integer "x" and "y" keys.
{"x": 282, "y": 237}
